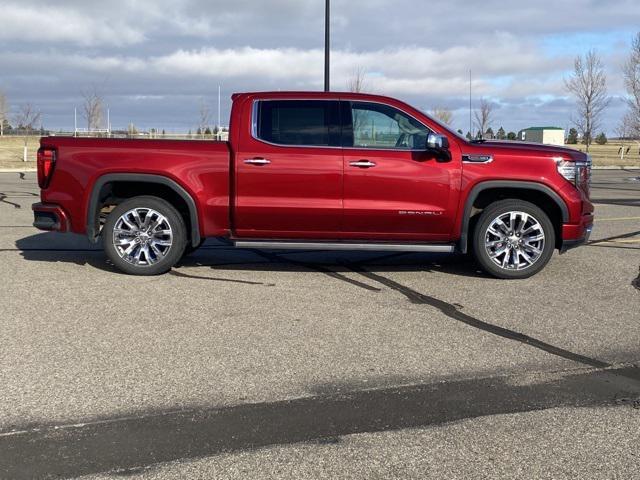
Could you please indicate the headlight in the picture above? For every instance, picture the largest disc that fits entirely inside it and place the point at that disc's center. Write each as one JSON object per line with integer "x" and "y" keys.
{"x": 567, "y": 169}
{"x": 578, "y": 173}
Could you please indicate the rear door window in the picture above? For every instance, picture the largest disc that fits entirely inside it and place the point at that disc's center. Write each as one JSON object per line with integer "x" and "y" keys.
{"x": 310, "y": 123}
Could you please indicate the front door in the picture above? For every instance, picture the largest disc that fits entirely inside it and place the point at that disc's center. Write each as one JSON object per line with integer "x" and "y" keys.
{"x": 393, "y": 188}
{"x": 289, "y": 171}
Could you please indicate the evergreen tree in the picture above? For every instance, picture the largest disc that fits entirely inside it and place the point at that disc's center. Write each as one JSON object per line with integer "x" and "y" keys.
{"x": 572, "y": 138}
{"x": 601, "y": 139}
{"x": 512, "y": 136}
{"x": 468, "y": 135}
{"x": 501, "y": 135}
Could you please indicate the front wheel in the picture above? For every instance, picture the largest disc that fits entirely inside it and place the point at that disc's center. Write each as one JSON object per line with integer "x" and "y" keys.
{"x": 513, "y": 239}
{"x": 144, "y": 236}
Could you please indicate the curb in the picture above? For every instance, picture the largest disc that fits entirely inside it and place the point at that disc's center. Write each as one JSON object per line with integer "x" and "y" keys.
{"x": 18, "y": 170}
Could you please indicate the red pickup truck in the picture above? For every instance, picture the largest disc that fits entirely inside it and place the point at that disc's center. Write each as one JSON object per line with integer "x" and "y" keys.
{"x": 326, "y": 171}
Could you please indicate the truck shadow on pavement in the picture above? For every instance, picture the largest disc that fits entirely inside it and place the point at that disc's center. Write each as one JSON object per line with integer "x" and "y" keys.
{"x": 218, "y": 256}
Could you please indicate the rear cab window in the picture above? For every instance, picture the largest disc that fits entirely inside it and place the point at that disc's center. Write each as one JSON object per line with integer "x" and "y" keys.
{"x": 308, "y": 123}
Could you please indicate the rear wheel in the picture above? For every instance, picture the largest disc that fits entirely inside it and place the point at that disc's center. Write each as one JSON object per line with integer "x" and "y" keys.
{"x": 513, "y": 239}
{"x": 144, "y": 236}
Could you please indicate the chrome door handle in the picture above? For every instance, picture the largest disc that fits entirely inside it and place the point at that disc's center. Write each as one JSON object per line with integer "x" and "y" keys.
{"x": 363, "y": 164}
{"x": 257, "y": 161}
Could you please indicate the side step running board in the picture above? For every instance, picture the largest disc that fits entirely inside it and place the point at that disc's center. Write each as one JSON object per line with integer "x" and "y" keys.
{"x": 378, "y": 247}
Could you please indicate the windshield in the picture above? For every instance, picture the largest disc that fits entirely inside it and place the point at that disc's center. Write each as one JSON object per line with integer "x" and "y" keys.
{"x": 447, "y": 128}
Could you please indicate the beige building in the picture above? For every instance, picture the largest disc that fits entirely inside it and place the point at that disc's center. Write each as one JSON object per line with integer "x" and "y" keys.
{"x": 546, "y": 135}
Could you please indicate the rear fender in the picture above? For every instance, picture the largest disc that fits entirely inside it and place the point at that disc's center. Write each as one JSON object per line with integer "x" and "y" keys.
{"x": 93, "y": 227}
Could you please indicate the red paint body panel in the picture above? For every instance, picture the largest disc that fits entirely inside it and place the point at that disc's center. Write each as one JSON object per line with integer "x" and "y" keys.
{"x": 200, "y": 167}
{"x": 515, "y": 161}
{"x": 406, "y": 196}
{"x": 297, "y": 195}
{"x": 314, "y": 192}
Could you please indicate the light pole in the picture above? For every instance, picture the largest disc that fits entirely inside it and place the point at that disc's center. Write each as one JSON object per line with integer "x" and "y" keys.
{"x": 327, "y": 44}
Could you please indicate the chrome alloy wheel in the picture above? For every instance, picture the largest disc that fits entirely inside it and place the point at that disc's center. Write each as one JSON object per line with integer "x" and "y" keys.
{"x": 514, "y": 240}
{"x": 142, "y": 236}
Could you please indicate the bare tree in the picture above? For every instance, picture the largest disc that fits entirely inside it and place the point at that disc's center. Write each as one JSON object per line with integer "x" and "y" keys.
{"x": 588, "y": 84}
{"x": 4, "y": 111}
{"x": 483, "y": 116}
{"x": 443, "y": 114}
{"x": 625, "y": 128}
{"x": 93, "y": 108}
{"x": 631, "y": 75}
{"x": 204, "y": 117}
{"x": 357, "y": 83}
{"x": 27, "y": 118}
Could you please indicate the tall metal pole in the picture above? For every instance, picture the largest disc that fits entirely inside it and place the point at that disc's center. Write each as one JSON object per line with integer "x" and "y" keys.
{"x": 470, "y": 109}
{"x": 327, "y": 44}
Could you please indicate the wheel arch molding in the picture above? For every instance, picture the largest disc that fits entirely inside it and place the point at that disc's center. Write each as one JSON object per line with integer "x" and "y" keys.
{"x": 521, "y": 186}
{"x": 94, "y": 202}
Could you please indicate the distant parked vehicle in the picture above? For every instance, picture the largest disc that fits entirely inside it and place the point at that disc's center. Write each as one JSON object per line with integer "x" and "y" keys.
{"x": 327, "y": 171}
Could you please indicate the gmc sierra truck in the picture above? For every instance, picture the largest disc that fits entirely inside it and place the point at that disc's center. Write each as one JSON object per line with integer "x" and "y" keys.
{"x": 326, "y": 171}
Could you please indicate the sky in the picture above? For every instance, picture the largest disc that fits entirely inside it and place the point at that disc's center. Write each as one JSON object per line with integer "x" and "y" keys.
{"x": 157, "y": 62}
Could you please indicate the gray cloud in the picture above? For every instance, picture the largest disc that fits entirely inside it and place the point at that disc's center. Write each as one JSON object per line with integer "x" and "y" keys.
{"x": 155, "y": 61}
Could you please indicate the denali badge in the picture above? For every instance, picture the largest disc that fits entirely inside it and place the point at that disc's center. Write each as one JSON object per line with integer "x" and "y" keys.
{"x": 418, "y": 212}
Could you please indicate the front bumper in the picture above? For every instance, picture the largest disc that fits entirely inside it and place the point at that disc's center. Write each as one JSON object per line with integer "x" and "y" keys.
{"x": 574, "y": 235}
{"x": 50, "y": 217}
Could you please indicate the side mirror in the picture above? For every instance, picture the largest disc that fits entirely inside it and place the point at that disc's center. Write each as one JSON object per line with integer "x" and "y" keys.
{"x": 437, "y": 142}
{"x": 439, "y": 146}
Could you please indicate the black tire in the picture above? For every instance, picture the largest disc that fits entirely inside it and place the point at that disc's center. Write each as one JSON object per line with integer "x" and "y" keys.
{"x": 483, "y": 240}
{"x": 157, "y": 264}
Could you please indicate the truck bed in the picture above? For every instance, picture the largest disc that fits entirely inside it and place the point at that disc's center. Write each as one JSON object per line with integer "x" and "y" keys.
{"x": 201, "y": 167}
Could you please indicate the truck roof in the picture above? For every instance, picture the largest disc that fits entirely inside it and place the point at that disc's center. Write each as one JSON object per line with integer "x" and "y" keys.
{"x": 310, "y": 94}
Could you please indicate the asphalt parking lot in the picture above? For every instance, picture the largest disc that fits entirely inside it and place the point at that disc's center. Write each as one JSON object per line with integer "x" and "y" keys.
{"x": 258, "y": 364}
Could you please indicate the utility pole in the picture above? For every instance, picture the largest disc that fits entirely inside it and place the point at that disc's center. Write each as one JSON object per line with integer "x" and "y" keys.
{"x": 219, "y": 126}
{"x": 327, "y": 44}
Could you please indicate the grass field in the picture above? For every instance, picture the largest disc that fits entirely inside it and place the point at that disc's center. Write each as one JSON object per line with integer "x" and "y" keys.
{"x": 607, "y": 155}
{"x": 11, "y": 150}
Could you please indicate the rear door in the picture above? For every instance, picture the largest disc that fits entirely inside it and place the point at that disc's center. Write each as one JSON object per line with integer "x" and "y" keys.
{"x": 289, "y": 171}
{"x": 393, "y": 188}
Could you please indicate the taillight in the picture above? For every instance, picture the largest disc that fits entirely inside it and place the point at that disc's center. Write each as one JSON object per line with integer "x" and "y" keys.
{"x": 46, "y": 162}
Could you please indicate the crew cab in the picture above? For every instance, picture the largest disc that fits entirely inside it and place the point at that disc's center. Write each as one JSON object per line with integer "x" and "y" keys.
{"x": 316, "y": 170}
